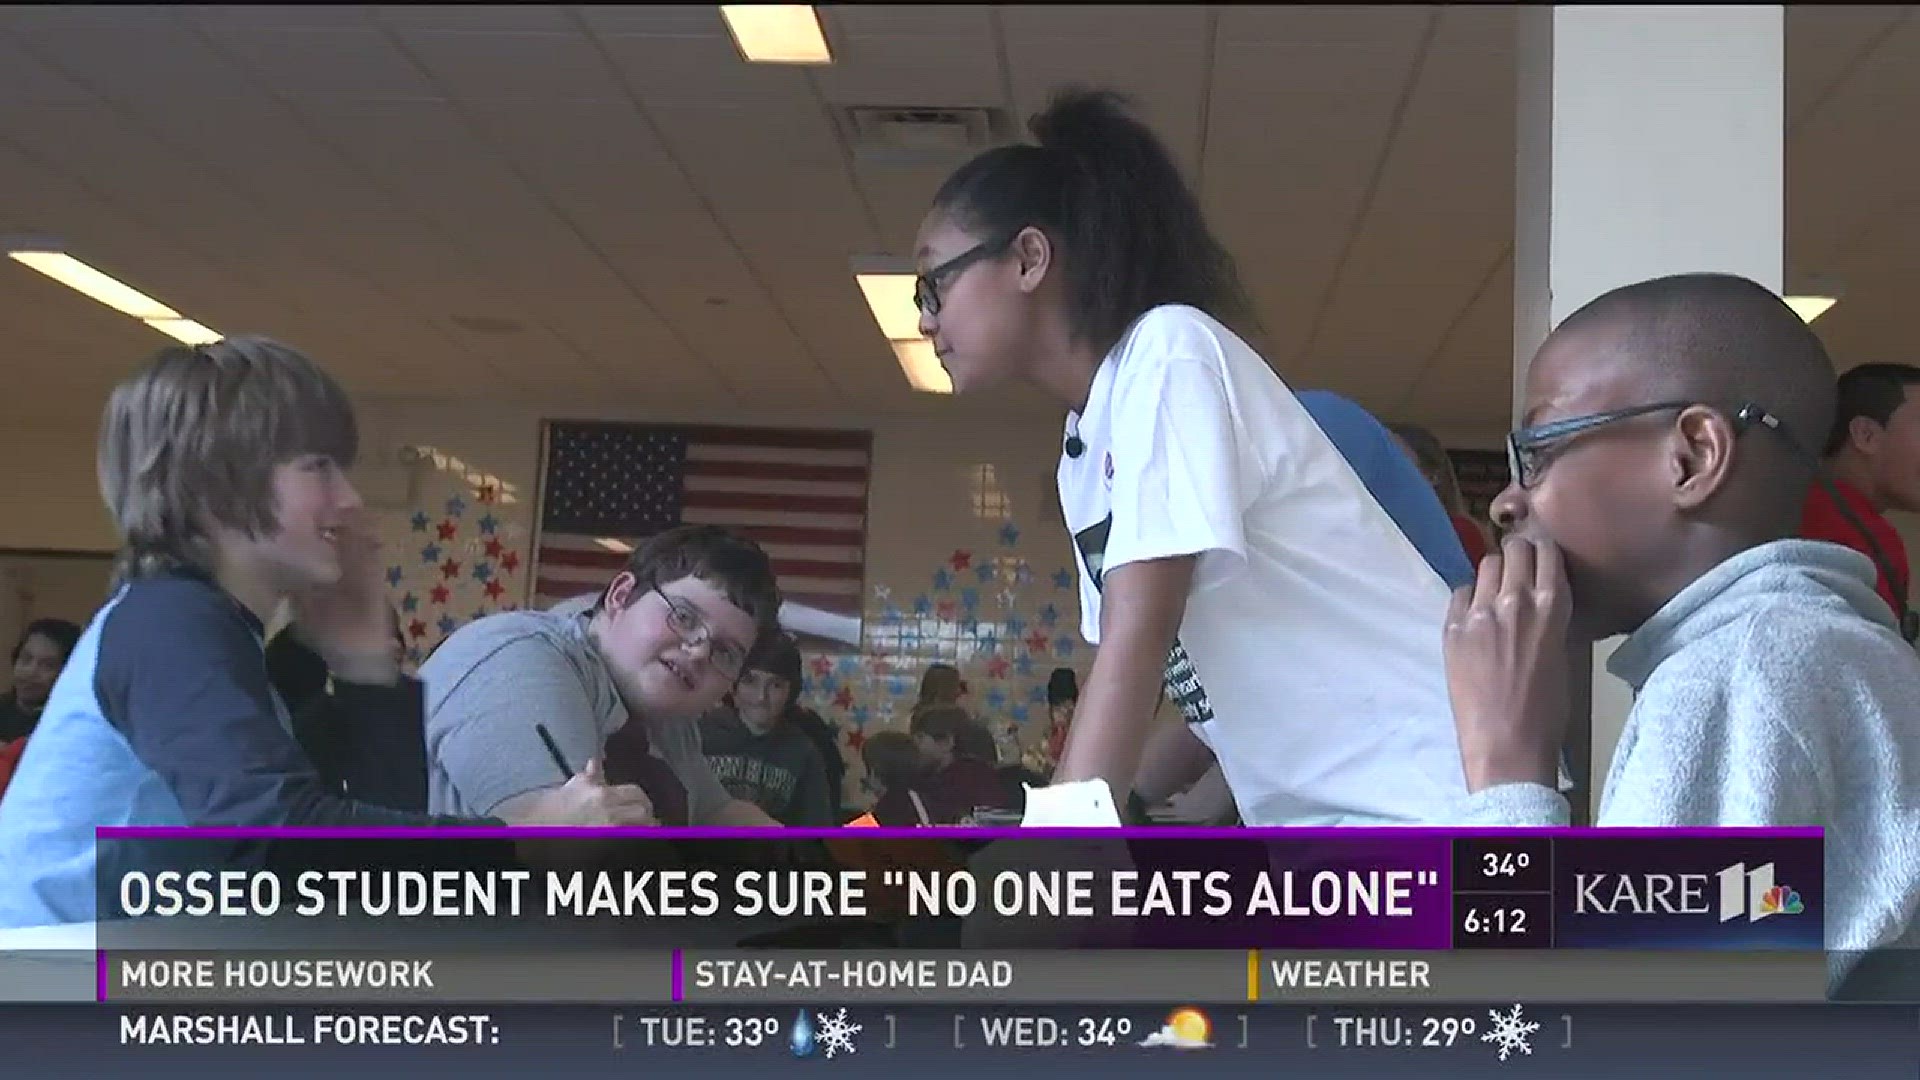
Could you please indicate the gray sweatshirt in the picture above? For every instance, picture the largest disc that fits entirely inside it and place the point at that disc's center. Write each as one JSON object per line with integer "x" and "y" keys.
{"x": 1773, "y": 691}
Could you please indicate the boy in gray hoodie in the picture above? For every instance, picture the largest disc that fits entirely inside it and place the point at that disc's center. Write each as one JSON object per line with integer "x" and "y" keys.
{"x": 1657, "y": 479}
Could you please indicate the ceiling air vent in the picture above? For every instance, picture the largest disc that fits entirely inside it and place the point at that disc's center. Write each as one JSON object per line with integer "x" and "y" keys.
{"x": 919, "y": 134}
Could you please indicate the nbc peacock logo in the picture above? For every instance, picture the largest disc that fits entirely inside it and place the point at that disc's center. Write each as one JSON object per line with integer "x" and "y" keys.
{"x": 1780, "y": 900}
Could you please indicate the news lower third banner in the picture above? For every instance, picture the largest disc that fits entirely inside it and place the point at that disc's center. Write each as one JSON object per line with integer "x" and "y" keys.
{"x": 932, "y": 916}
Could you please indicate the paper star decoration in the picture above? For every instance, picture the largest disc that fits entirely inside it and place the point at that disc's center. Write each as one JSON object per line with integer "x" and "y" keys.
{"x": 1037, "y": 642}
{"x": 413, "y": 654}
{"x": 1009, "y": 534}
{"x": 416, "y": 628}
{"x": 922, "y": 605}
{"x": 1019, "y": 713}
{"x": 409, "y": 604}
{"x": 439, "y": 595}
{"x": 510, "y": 561}
{"x": 996, "y": 699}
{"x": 482, "y": 572}
{"x": 1037, "y": 695}
{"x": 960, "y": 560}
{"x": 942, "y": 581}
{"x": 448, "y": 530}
{"x": 821, "y": 667}
{"x": 997, "y": 668}
{"x": 843, "y": 699}
{"x": 1049, "y": 615}
{"x": 488, "y": 524}
{"x": 456, "y": 507}
{"x": 446, "y": 624}
{"x": 492, "y": 547}
{"x": 394, "y": 576}
{"x": 420, "y": 521}
{"x": 983, "y": 573}
{"x": 860, "y": 715}
{"x": 430, "y": 553}
{"x": 1024, "y": 666}
{"x": 1063, "y": 646}
{"x": 969, "y": 598}
{"x": 1063, "y": 578}
{"x": 494, "y": 589}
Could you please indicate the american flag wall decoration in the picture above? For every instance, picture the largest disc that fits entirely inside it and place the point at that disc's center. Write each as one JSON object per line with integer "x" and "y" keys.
{"x": 802, "y": 495}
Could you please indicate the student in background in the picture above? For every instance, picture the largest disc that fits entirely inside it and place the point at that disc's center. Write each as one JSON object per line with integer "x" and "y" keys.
{"x": 1426, "y": 451}
{"x": 894, "y": 768}
{"x": 757, "y": 748}
{"x": 941, "y": 686}
{"x": 329, "y": 720}
{"x": 1873, "y": 456}
{"x": 960, "y": 757}
{"x": 37, "y": 659}
{"x": 1063, "y": 694}
{"x": 1226, "y": 549}
{"x": 223, "y": 468}
{"x": 1656, "y": 486}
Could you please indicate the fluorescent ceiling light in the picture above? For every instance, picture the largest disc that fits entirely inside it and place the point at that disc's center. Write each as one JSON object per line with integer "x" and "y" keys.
{"x": 777, "y": 33}
{"x": 889, "y": 296}
{"x": 1810, "y": 308}
{"x": 115, "y": 294}
{"x": 185, "y": 330}
{"x": 922, "y": 367}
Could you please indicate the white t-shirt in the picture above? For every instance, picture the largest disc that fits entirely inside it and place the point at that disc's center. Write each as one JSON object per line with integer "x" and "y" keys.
{"x": 1309, "y": 657}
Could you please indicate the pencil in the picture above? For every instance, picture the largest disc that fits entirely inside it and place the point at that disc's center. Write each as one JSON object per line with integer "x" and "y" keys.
{"x": 553, "y": 748}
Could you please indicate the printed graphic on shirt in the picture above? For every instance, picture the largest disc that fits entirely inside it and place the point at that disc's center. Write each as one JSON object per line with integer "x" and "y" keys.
{"x": 755, "y": 780}
{"x": 1183, "y": 686}
{"x": 1182, "y": 682}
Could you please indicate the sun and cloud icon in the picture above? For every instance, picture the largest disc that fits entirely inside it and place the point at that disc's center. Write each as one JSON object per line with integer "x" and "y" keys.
{"x": 1185, "y": 1029}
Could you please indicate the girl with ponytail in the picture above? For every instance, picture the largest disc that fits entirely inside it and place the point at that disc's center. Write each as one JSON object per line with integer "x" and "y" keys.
{"x": 1081, "y": 264}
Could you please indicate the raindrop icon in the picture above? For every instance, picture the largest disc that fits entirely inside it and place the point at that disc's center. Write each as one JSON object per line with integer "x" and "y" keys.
{"x": 800, "y": 1040}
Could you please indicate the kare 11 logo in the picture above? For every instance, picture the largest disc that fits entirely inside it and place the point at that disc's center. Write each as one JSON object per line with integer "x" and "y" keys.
{"x": 1742, "y": 906}
{"x": 1734, "y": 892}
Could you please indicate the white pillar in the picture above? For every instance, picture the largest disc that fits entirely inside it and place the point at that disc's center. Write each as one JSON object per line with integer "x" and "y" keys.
{"x": 1651, "y": 142}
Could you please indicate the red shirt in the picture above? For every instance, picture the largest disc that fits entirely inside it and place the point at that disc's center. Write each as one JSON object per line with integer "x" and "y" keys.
{"x": 1822, "y": 520}
{"x": 9, "y": 759}
{"x": 1471, "y": 538}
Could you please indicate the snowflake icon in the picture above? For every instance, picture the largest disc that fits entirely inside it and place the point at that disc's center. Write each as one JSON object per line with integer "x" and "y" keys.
{"x": 1509, "y": 1032}
{"x": 837, "y": 1032}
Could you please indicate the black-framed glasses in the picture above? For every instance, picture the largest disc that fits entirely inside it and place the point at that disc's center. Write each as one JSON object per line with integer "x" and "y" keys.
{"x": 1529, "y": 449}
{"x": 690, "y": 623}
{"x": 926, "y": 287}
